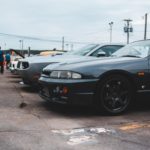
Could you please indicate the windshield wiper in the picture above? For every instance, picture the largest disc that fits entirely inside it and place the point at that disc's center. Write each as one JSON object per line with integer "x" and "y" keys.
{"x": 130, "y": 56}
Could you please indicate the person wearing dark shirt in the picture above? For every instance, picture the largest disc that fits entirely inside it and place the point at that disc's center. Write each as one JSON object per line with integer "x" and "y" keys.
{"x": 1, "y": 61}
{"x": 7, "y": 59}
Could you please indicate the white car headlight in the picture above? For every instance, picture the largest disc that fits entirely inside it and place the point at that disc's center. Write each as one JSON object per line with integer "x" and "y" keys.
{"x": 65, "y": 75}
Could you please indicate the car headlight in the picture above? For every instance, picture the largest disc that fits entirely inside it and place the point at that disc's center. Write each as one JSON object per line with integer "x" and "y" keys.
{"x": 65, "y": 75}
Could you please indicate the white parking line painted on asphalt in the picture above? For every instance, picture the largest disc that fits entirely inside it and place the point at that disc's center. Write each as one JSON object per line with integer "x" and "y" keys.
{"x": 100, "y": 130}
{"x": 82, "y": 131}
{"x": 68, "y": 132}
{"x": 75, "y": 140}
{"x": 22, "y": 83}
{"x": 82, "y": 135}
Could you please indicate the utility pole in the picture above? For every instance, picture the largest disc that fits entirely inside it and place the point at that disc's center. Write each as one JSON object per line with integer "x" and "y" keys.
{"x": 29, "y": 51}
{"x": 111, "y": 24}
{"x": 21, "y": 45}
{"x": 63, "y": 43}
{"x": 145, "y": 30}
{"x": 128, "y": 28}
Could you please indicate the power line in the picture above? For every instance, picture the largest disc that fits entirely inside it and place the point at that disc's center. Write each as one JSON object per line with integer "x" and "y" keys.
{"x": 41, "y": 39}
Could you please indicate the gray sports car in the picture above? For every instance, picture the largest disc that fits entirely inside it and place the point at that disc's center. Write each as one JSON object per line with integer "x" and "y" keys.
{"x": 30, "y": 68}
{"x": 108, "y": 83}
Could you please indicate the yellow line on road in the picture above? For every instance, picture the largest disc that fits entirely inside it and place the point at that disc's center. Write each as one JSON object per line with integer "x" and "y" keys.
{"x": 133, "y": 126}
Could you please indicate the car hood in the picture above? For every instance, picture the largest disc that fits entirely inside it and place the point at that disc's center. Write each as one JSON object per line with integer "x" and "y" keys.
{"x": 57, "y": 58}
{"x": 36, "y": 58}
{"x": 103, "y": 63}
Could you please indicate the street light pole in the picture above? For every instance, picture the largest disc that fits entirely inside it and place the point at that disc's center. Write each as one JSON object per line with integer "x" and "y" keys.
{"x": 63, "y": 42}
{"x": 21, "y": 45}
{"x": 111, "y": 24}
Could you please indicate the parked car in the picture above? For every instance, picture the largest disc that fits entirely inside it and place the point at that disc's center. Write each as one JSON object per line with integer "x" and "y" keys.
{"x": 13, "y": 65}
{"x": 45, "y": 53}
{"x": 30, "y": 68}
{"x": 15, "y": 57}
{"x": 109, "y": 83}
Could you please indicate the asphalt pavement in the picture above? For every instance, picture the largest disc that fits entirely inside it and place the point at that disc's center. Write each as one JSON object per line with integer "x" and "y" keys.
{"x": 27, "y": 122}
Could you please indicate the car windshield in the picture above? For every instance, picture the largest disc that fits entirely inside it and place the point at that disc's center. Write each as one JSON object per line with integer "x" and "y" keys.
{"x": 83, "y": 51}
{"x": 136, "y": 49}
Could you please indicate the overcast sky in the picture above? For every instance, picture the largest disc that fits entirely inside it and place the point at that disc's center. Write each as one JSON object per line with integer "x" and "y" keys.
{"x": 76, "y": 20}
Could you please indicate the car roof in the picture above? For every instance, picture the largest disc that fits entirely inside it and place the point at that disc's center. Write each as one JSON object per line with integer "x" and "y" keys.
{"x": 103, "y": 44}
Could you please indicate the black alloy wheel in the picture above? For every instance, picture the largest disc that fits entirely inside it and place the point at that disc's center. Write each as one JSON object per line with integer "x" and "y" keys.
{"x": 115, "y": 94}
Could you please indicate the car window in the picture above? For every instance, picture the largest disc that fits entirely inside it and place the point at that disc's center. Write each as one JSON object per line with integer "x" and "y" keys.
{"x": 136, "y": 49}
{"x": 83, "y": 51}
{"x": 108, "y": 50}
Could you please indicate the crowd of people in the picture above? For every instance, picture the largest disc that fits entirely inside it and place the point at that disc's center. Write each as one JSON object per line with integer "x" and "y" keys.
{"x": 4, "y": 61}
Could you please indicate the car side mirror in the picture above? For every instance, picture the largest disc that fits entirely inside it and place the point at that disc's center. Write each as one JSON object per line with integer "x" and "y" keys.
{"x": 101, "y": 54}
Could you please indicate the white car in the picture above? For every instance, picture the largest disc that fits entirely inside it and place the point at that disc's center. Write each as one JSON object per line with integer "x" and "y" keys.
{"x": 13, "y": 65}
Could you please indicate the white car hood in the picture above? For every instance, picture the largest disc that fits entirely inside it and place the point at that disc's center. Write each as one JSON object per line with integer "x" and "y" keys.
{"x": 57, "y": 58}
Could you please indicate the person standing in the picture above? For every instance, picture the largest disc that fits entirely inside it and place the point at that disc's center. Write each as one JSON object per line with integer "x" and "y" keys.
{"x": 1, "y": 60}
{"x": 7, "y": 59}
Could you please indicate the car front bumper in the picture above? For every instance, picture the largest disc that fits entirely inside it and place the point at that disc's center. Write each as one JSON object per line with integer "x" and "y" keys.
{"x": 80, "y": 92}
{"x": 29, "y": 76}
{"x": 32, "y": 74}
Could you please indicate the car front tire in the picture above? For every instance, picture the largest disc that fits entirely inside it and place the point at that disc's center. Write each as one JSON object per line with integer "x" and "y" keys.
{"x": 115, "y": 93}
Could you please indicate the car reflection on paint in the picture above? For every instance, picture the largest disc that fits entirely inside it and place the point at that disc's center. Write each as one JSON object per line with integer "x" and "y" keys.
{"x": 109, "y": 83}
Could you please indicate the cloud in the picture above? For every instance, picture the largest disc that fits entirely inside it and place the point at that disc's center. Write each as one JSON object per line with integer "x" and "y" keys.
{"x": 73, "y": 19}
